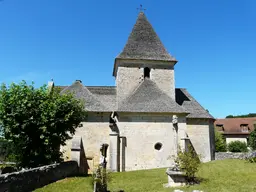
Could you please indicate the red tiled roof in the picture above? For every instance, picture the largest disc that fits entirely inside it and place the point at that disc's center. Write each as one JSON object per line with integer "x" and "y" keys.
{"x": 233, "y": 125}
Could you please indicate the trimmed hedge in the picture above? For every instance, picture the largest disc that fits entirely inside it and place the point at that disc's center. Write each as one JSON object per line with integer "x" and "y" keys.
{"x": 237, "y": 146}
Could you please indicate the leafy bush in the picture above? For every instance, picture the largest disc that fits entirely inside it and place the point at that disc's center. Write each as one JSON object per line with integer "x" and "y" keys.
{"x": 38, "y": 122}
{"x": 251, "y": 159}
{"x": 6, "y": 150}
{"x": 237, "y": 146}
{"x": 101, "y": 176}
{"x": 189, "y": 162}
{"x": 220, "y": 144}
{"x": 252, "y": 139}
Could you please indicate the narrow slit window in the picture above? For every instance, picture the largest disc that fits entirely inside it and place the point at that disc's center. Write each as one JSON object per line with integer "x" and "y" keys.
{"x": 146, "y": 72}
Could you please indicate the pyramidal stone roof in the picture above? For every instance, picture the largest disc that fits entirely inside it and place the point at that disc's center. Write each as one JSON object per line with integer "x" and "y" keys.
{"x": 143, "y": 43}
{"x": 81, "y": 92}
{"x": 149, "y": 98}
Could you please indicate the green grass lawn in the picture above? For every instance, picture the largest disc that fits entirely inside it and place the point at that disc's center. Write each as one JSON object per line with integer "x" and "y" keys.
{"x": 219, "y": 176}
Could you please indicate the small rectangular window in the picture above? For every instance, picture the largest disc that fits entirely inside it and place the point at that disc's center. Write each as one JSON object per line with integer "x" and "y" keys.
{"x": 244, "y": 127}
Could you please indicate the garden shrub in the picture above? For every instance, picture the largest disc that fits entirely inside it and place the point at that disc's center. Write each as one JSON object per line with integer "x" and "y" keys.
{"x": 252, "y": 139}
{"x": 102, "y": 176}
{"x": 237, "y": 146}
{"x": 189, "y": 162}
{"x": 220, "y": 144}
{"x": 251, "y": 159}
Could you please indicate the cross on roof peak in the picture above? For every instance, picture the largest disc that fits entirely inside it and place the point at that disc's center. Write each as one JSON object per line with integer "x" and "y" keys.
{"x": 141, "y": 8}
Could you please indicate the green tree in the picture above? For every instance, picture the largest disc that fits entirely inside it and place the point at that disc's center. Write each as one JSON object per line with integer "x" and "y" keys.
{"x": 6, "y": 150}
{"x": 38, "y": 122}
{"x": 242, "y": 116}
{"x": 252, "y": 138}
{"x": 237, "y": 146}
{"x": 220, "y": 144}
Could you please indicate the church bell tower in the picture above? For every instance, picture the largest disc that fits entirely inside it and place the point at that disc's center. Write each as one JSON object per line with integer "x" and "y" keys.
{"x": 144, "y": 56}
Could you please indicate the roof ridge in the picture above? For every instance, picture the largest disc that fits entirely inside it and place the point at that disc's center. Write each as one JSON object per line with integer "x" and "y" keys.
{"x": 165, "y": 104}
{"x": 133, "y": 92}
{"x": 192, "y": 98}
{"x": 98, "y": 86}
{"x": 185, "y": 99}
{"x": 85, "y": 91}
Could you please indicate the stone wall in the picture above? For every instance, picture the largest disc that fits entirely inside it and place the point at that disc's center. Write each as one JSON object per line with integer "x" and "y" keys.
{"x": 164, "y": 78}
{"x": 139, "y": 133}
{"x": 229, "y": 155}
{"x": 142, "y": 132}
{"x": 128, "y": 78}
{"x": 30, "y": 179}
{"x": 94, "y": 132}
{"x": 199, "y": 134}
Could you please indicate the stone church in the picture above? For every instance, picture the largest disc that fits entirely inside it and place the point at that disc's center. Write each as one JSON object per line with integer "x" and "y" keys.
{"x": 144, "y": 118}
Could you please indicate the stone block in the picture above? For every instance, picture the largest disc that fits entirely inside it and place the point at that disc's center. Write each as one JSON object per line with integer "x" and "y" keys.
{"x": 175, "y": 178}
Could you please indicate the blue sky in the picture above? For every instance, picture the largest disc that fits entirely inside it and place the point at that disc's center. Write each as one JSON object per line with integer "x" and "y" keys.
{"x": 214, "y": 42}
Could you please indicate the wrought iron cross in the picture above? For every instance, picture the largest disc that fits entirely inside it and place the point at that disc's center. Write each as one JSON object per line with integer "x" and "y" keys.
{"x": 141, "y": 9}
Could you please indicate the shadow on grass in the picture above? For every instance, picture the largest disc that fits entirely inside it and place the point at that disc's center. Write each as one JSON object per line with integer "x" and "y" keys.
{"x": 80, "y": 175}
{"x": 116, "y": 191}
{"x": 197, "y": 181}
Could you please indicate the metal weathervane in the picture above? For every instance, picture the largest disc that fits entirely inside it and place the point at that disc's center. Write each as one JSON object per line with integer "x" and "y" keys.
{"x": 141, "y": 9}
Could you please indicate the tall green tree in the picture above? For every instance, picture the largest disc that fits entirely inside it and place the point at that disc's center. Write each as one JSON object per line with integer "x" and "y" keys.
{"x": 38, "y": 122}
{"x": 220, "y": 144}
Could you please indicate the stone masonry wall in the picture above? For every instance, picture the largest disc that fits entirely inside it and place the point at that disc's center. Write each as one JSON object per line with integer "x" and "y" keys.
{"x": 94, "y": 132}
{"x": 128, "y": 78}
{"x": 138, "y": 135}
{"x": 30, "y": 179}
{"x": 142, "y": 132}
{"x": 164, "y": 78}
{"x": 230, "y": 155}
{"x": 198, "y": 131}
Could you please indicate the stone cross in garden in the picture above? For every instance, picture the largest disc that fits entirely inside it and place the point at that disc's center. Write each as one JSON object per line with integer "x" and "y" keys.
{"x": 100, "y": 185}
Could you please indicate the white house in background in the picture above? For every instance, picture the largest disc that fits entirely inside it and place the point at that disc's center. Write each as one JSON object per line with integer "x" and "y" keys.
{"x": 236, "y": 129}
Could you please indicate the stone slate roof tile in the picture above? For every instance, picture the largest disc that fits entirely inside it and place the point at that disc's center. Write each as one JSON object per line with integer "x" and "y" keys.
{"x": 143, "y": 43}
{"x": 184, "y": 99}
{"x": 106, "y": 95}
{"x": 102, "y": 90}
{"x": 149, "y": 98}
{"x": 91, "y": 102}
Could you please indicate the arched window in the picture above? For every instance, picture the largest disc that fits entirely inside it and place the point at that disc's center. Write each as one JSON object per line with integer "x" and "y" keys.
{"x": 146, "y": 72}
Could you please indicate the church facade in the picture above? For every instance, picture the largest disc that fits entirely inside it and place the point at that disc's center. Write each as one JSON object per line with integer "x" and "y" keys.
{"x": 144, "y": 118}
